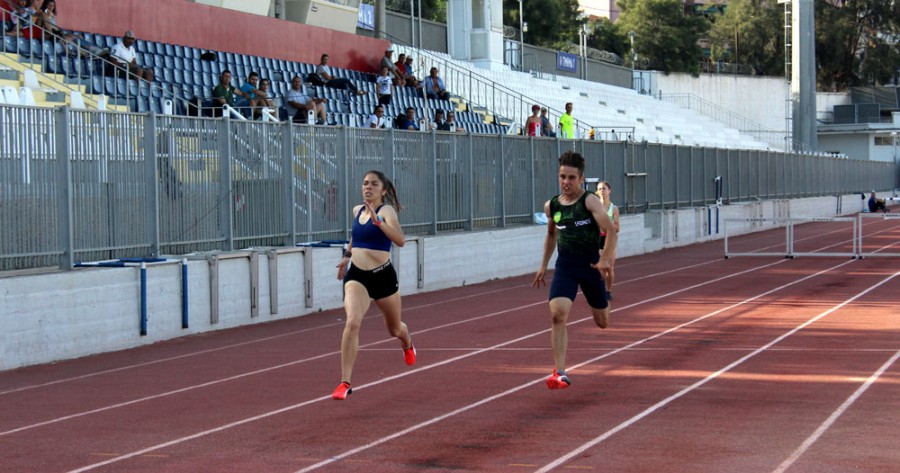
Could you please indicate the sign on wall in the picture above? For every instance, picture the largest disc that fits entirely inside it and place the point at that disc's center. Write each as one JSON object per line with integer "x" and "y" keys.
{"x": 366, "y": 17}
{"x": 566, "y": 62}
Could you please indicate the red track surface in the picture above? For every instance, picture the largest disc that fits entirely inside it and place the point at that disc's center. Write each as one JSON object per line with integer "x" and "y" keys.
{"x": 709, "y": 365}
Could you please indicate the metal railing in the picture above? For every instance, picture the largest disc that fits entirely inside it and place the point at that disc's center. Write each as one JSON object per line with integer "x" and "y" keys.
{"x": 77, "y": 62}
{"x": 774, "y": 138}
{"x": 80, "y": 185}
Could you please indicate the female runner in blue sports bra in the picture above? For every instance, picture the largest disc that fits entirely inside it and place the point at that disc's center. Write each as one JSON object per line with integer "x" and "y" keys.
{"x": 368, "y": 274}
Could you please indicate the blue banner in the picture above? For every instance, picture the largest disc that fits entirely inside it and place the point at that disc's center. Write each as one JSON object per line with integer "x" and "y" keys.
{"x": 366, "y": 17}
{"x": 566, "y": 62}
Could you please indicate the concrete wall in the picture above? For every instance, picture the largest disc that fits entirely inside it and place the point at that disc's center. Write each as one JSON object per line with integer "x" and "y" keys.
{"x": 44, "y": 318}
{"x": 761, "y": 99}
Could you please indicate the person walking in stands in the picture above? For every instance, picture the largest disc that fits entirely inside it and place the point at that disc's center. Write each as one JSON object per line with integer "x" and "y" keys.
{"x": 575, "y": 218}
{"x": 533, "y": 123}
{"x": 384, "y": 86}
{"x": 567, "y": 123}
{"x": 611, "y": 211}
{"x": 323, "y": 76}
{"x": 368, "y": 274}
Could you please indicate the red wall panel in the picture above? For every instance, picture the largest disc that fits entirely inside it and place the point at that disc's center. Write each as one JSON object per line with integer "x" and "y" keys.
{"x": 191, "y": 24}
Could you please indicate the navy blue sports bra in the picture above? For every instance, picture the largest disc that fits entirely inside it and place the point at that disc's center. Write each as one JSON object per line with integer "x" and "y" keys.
{"x": 369, "y": 236}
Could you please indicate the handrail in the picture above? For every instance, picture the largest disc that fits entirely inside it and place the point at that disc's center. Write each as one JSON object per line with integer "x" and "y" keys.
{"x": 717, "y": 112}
{"x": 61, "y": 44}
{"x": 507, "y": 103}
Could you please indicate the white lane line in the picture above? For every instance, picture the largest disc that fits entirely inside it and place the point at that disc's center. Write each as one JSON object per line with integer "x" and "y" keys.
{"x": 417, "y": 370}
{"x": 834, "y": 416}
{"x": 570, "y": 369}
{"x": 264, "y": 370}
{"x": 650, "y": 410}
{"x": 288, "y": 334}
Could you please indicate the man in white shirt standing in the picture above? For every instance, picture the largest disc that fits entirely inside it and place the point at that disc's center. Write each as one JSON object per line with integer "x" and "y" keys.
{"x": 124, "y": 56}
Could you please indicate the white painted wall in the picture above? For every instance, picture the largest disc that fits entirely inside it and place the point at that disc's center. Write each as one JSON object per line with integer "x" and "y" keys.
{"x": 761, "y": 99}
{"x": 44, "y": 318}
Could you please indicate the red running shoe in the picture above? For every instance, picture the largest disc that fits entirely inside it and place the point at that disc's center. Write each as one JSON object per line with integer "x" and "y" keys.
{"x": 558, "y": 380}
{"x": 342, "y": 391}
{"x": 409, "y": 355}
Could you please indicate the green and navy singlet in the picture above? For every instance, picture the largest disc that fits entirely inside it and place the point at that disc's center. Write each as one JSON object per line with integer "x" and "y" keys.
{"x": 578, "y": 233}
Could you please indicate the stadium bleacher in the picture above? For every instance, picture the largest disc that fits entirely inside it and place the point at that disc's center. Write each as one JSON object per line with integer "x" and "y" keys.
{"x": 182, "y": 76}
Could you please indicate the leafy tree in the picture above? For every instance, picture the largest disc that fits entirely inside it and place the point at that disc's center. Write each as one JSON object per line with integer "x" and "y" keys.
{"x": 550, "y": 22}
{"x": 854, "y": 44}
{"x": 606, "y": 37}
{"x": 665, "y": 38}
{"x": 750, "y": 32}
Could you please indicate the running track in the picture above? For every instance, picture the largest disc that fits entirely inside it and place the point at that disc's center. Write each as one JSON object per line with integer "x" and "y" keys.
{"x": 709, "y": 365}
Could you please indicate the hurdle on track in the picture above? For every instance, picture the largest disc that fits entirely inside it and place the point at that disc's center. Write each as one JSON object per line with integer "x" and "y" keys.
{"x": 877, "y": 252}
{"x": 843, "y": 237}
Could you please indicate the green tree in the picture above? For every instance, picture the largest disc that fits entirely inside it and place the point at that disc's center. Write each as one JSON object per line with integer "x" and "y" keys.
{"x": 606, "y": 37}
{"x": 750, "y": 32}
{"x": 665, "y": 38}
{"x": 550, "y": 22}
{"x": 854, "y": 42}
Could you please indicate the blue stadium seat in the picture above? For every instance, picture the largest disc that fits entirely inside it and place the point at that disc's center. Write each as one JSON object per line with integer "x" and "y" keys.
{"x": 195, "y": 65}
{"x": 97, "y": 86}
{"x": 140, "y": 45}
{"x": 10, "y": 44}
{"x": 160, "y": 48}
{"x": 167, "y": 75}
{"x": 178, "y": 62}
{"x": 179, "y": 51}
{"x": 170, "y": 49}
{"x": 179, "y": 77}
{"x": 196, "y": 77}
{"x": 143, "y": 104}
{"x": 143, "y": 88}
{"x": 155, "y": 105}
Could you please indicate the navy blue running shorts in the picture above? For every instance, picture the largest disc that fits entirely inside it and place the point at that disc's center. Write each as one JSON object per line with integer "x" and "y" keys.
{"x": 573, "y": 271}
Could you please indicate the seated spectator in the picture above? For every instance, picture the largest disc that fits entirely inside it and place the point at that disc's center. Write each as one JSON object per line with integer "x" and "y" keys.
{"x": 407, "y": 121}
{"x": 265, "y": 99}
{"x": 122, "y": 56}
{"x": 439, "y": 123}
{"x": 384, "y": 86}
{"x": 376, "y": 119}
{"x": 410, "y": 68}
{"x": 21, "y": 17}
{"x": 252, "y": 96}
{"x": 876, "y": 204}
{"x": 322, "y": 77}
{"x": 298, "y": 104}
{"x": 546, "y": 126}
{"x": 388, "y": 63}
{"x": 223, "y": 92}
{"x": 451, "y": 123}
{"x": 434, "y": 86}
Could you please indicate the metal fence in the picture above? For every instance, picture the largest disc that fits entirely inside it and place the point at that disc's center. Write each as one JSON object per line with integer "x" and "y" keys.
{"x": 88, "y": 185}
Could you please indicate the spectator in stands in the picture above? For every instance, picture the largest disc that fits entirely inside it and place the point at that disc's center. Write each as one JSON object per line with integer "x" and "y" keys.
{"x": 387, "y": 62}
{"x": 322, "y": 77}
{"x": 384, "y": 86}
{"x": 21, "y": 18}
{"x": 451, "y": 123}
{"x": 546, "y": 126}
{"x": 533, "y": 123}
{"x": 407, "y": 121}
{"x": 567, "y": 123}
{"x": 876, "y": 204}
{"x": 614, "y": 136}
{"x": 376, "y": 119}
{"x": 252, "y": 96}
{"x": 434, "y": 86}
{"x": 410, "y": 77}
{"x": 223, "y": 92}
{"x": 298, "y": 104}
{"x": 439, "y": 123}
{"x": 265, "y": 98}
{"x": 122, "y": 56}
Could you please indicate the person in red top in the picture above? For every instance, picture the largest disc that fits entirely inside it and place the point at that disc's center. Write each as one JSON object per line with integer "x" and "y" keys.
{"x": 533, "y": 123}
{"x": 369, "y": 275}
